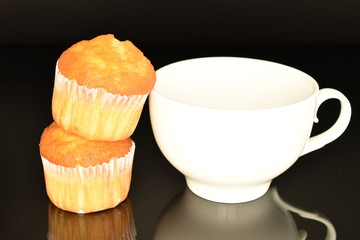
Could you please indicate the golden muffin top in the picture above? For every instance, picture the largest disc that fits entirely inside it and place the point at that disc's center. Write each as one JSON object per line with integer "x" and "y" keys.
{"x": 105, "y": 62}
{"x": 69, "y": 150}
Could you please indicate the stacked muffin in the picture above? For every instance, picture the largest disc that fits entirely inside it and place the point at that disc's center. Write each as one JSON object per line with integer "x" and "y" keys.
{"x": 100, "y": 89}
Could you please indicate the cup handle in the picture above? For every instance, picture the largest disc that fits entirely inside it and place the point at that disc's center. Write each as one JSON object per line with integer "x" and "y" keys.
{"x": 337, "y": 128}
{"x": 330, "y": 229}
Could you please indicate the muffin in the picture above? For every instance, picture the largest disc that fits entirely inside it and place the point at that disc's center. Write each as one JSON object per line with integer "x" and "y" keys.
{"x": 84, "y": 175}
{"x": 112, "y": 224}
{"x": 100, "y": 88}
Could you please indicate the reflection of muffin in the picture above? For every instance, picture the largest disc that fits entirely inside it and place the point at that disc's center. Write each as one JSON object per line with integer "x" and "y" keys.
{"x": 117, "y": 223}
{"x": 84, "y": 175}
{"x": 101, "y": 86}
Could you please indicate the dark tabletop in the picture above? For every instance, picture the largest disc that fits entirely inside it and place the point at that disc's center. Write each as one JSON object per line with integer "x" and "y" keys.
{"x": 324, "y": 183}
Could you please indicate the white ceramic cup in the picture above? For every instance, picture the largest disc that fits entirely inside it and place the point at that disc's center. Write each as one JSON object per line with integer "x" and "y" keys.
{"x": 231, "y": 125}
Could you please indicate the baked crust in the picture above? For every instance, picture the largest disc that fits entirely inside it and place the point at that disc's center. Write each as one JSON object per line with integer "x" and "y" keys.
{"x": 105, "y": 62}
{"x": 70, "y": 150}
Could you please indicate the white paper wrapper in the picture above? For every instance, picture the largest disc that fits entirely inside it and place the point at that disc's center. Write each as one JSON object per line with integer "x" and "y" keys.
{"x": 94, "y": 113}
{"x": 89, "y": 189}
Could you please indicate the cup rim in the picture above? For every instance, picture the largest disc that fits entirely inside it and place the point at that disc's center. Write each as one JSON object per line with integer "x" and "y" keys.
{"x": 174, "y": 100}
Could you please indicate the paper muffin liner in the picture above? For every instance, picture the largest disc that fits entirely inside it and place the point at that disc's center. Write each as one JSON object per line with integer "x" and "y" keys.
{"x": 94, "y": 113}
{"x": 112, "y": 224}
{"x": 89, "y": 189}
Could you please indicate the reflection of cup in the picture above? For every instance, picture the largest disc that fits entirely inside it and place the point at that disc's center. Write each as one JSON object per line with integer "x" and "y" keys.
{"x": 231, "y": 125}
{"x": 116, "y": 223}
{"x": 189, "y": 217}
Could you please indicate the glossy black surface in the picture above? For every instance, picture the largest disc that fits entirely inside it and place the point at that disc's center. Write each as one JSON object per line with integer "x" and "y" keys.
{"x": 324, "y": 183}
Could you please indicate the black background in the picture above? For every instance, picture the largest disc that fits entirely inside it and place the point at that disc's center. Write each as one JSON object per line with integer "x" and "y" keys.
{"x": 185, "y": 23}
{"x": 321, "y": 38}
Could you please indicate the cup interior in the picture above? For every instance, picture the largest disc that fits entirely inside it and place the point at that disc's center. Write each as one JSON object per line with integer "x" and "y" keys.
{"x": 233, "y": 83}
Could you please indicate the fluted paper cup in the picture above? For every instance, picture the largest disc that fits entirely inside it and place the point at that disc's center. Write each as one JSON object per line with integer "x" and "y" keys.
{"x": 94, "y": 113}
{"x": 90, "y": 189}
